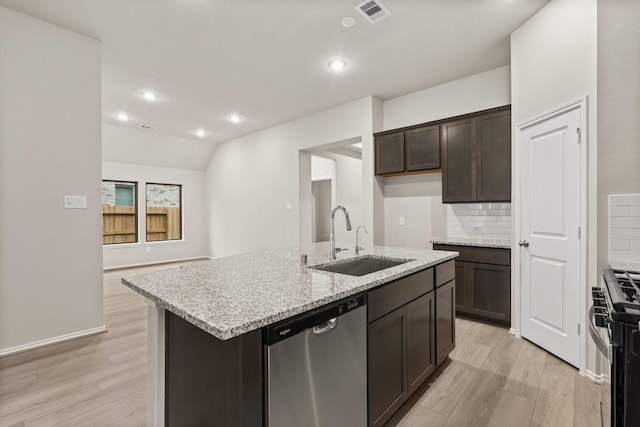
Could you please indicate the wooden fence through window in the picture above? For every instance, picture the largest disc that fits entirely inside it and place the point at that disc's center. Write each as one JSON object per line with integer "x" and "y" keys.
{"x": 119, "y": 224}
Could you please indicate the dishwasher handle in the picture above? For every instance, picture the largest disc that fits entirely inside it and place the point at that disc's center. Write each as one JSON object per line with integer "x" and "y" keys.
{"x": 326, "y": 327}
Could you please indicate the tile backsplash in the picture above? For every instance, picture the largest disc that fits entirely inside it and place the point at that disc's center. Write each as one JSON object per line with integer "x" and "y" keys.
{"x": 479, "y": 220}
{"x": 624, "y": 227}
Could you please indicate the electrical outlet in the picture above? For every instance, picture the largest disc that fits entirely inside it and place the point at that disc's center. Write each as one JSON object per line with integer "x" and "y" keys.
{"x": 148, "y": 249}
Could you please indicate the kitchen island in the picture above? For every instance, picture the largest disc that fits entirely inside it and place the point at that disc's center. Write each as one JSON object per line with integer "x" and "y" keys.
{"x": 206, "y": 321}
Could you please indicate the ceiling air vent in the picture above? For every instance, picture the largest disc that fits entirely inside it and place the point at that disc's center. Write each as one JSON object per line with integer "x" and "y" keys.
{"x": 373, "y": 10}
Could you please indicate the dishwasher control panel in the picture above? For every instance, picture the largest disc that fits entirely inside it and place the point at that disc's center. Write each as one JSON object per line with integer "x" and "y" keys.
{"x": 294, "y": 325}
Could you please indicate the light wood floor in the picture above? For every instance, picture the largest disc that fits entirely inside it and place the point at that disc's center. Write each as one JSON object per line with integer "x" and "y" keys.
{"x": 492, "y": 379}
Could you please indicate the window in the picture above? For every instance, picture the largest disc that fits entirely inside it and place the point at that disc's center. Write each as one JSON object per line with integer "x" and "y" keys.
{"x": 164, "y": 212}
{"x": 119, "y": 213}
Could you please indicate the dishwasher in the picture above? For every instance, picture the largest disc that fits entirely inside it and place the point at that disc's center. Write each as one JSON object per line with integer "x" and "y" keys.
{"x": 317, "y": 367}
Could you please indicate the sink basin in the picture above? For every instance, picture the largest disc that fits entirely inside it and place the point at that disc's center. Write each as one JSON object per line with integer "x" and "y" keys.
{"x": 361, "y": 266}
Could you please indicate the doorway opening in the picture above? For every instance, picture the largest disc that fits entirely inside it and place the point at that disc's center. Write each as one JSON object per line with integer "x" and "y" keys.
{"x": 330, "y": 175}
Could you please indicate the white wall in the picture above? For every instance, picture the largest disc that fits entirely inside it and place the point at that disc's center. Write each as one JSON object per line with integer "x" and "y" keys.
{"x": 193, "y": 244}
{"x": 349, "y": 194}
{"x": 474, "y": 93}
{"x": 618, "y": 108}
{"x": 128, "y": 144}
{"x": 418, "y": 198}
{"x": 553, "y": 62}
{"x": 50, "y": 257}
{"x": 321, "y": 168}
{"x": 251, "y": 179}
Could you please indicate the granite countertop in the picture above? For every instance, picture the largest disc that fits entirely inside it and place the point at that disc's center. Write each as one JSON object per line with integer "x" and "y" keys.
{"x": 465, "y": 241}
{"x": 625, "y": 265}
{"x": 230, "y": 296}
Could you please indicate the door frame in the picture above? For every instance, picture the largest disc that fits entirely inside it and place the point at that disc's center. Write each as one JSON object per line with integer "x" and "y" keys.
{"x": 516, "y": 284}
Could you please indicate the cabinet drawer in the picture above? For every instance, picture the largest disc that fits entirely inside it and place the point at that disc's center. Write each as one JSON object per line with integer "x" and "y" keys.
{"x": 476, "y": 254}
{"x": 391, "y": 296}
{"x": 445, "y": 272}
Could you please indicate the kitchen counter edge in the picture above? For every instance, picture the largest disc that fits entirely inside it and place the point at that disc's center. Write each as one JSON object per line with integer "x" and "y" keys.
{"x": 353, "y": 284}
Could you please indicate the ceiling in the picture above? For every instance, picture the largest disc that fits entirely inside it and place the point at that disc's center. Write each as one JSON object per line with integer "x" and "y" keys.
{"x": 267, "y": 60}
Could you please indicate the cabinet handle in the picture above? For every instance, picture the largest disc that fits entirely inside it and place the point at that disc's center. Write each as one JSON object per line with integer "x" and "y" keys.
{"x": 523, "y": 243}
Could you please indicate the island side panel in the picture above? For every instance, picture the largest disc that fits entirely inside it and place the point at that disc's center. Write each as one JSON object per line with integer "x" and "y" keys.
{"x": 155, "y": 364}
{"x": 208, "y": 380}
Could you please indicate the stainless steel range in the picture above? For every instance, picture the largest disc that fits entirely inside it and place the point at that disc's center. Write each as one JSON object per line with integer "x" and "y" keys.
{"x": 616, "y": 309}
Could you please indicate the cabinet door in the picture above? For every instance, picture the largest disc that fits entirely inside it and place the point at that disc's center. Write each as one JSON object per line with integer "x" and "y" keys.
{"x": 461, "y": 283}
{"x": 490, "y": 292}
{"x": 458, "y": 161}
{"x": 423, "y": 148}
{"x": 387, "y": 338}
{"x": 493, "y": 157}
{"x": 445, "y": 320}
{"x": 421, "y": 360}
{"x": 389, "y": 153}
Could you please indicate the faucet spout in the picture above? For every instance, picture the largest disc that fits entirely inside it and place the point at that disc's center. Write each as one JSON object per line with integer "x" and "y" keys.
{"x": 332, "y": 248}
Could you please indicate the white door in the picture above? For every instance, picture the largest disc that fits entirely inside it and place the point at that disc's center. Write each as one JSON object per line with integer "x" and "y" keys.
{"x": 550, "y": 243}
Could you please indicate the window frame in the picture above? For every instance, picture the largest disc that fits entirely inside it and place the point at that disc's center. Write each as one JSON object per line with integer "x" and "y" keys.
{"x": 134, "y": 185}
{"x": 181, "y": 213}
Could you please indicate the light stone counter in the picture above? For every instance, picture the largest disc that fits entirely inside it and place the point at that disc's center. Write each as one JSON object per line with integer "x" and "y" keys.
{"x": 230, "y": 296}
{"x": 625, "y": 265}
{"x": 464, "y": 241}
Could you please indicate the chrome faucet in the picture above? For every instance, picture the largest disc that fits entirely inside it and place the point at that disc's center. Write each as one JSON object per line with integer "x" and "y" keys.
{"x": 359, "y": 248}
{"x": 332, "y": 245}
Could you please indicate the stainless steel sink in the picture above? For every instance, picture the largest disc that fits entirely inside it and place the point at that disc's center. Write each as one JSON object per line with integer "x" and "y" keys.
{"x": 361, "y": 266}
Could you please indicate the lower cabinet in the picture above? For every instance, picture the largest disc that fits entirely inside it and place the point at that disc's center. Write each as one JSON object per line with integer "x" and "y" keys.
{"x": 446, "y": 317}
{"x": 483, "y": 283}
{"x": 401, "y": 356}
{"x": 410, "y": 330}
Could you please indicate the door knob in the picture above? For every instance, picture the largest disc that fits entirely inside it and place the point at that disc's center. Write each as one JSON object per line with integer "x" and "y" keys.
{"x": 523, "y": 243}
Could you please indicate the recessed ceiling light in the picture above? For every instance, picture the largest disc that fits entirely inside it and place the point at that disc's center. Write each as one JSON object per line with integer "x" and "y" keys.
{"x": 348, "y": 21}
{"x": 234, "y": 118}
{"x": 337, "y": 64}
{"x": 148, "y": 95}
{"x": 200, "y": 132}
{"x": 123, "y": 117}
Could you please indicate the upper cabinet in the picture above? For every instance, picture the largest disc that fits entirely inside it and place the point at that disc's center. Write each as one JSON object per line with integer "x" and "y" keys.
{"x": 389, "y": 153}
{"x": 473, "y": 151}
{"x": 412, "y": 150}
{"x": 476, "y": 158}
{"x": 493, "y": 157}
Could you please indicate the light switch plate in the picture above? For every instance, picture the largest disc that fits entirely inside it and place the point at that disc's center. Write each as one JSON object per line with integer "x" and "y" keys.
{"x": 75, "y": 202}
{"x": 401, "y": 220}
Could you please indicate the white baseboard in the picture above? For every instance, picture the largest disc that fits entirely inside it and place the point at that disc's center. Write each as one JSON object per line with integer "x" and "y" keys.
{"x": 602, "y": 378}
{"x": 146, "y": 264}
{"x": 50, "y": 341}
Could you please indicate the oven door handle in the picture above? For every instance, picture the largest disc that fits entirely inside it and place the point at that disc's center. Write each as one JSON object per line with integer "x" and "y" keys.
{"x": 597, "y": 339}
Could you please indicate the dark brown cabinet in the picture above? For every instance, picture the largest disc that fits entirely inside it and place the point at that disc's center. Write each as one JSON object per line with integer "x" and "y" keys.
{"x": 402, "y": 333}
{"x": 476, "y": 158}
{"x": 422, "y": 148}
{"x": 389, "y": 151}
{"x": 483, "y": 283}
{"x": 387, "y": 350}
{"x": 445, "y": 321}
{"x": 493, "y": 157}
{"x": 458, "y": 161}
{"x": 408, "y": 151}
{"x": 421, "y": 361}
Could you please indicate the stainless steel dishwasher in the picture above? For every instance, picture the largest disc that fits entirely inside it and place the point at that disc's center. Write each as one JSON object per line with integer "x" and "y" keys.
{"x": 317, "y": 367}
